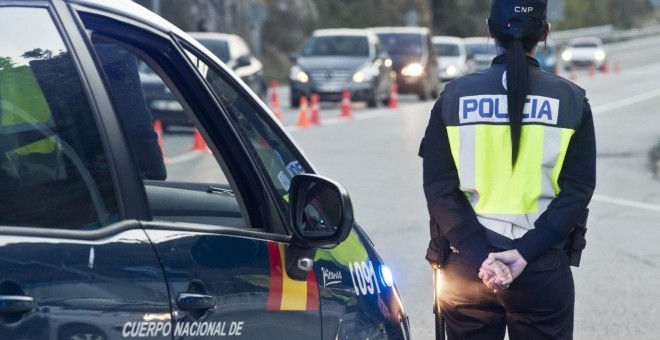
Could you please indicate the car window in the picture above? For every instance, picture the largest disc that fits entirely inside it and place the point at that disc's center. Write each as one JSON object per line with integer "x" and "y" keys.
{"x": 348, "y": 46}
{"x": 584, "y": 45}
{"x": 138, "y": 92}
{"x": 448, "y": 50}
{"x": 53, "y": 169}
{"x": 218, "y": 47}
{"x": 402, "y": 43}
{"x": 276, "y": 158}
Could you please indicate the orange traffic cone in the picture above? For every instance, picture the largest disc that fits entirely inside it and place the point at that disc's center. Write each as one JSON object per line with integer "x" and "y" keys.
{"x": 592, "y": 71}
{"x": 316, "y": 109}
{"x": 346, "y": 103}
{"x": 617, "y": 68}
{"x": 158, "y": 128}
{"x": 303, "y": 118}
{"x": 275, "y": 100}
{"x": 198, "y": 143}
{"x": 606, "y": 68}
{"x": 394, "y": 96}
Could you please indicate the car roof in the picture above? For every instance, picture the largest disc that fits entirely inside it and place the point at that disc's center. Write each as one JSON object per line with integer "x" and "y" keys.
{"x": 447, "y": 39}
{"x": 479, "y": 40}
{"x": 400, "y": 29}
{"x": 128, "y": 9}
{"x": 213, "y": 35}
{"x": 341, "y": 31}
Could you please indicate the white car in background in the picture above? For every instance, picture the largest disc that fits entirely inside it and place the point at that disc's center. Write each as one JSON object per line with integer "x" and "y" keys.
{"x": 452, "y": 57}
{"x": 584, "y": 51}
{"x": 480, "y": 53}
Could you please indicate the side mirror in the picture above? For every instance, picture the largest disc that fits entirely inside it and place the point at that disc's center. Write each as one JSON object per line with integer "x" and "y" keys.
{"x": 293, "y": 57}
{"x": 243, "y": 61}
{"x": 321, "y": 214}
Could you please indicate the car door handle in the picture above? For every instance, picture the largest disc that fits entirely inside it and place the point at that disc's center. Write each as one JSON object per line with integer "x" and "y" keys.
{"x": 189, "y": 301}
{"x": 10, "y": 304}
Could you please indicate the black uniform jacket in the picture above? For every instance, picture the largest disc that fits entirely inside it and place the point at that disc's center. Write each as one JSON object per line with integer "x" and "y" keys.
{"x": 453, "y": 218}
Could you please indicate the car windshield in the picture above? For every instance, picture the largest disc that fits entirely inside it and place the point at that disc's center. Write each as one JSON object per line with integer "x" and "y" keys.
{"x": 218, "y": 47}
{"x": 402, "y": 43}
{"x": 347, "y": 46}
{"x": 447, "y": 50}
{"x": 585, "y": 45}
{"x": 483, "y": 48}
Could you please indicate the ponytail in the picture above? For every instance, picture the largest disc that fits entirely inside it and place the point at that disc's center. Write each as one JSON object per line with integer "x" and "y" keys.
{"x": 517, "y": 83}
{"x": 517, "y": 76}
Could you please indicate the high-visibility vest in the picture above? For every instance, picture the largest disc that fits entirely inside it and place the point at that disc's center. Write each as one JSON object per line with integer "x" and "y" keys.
{"x": 507, "y": 199}
{"x": 24, "y": 103}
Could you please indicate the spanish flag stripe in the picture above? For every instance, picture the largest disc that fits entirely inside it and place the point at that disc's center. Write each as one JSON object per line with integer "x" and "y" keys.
{"x": 312, "y": 292}
{"x": 276, "y": 269}
{"x": 294, "y": 293}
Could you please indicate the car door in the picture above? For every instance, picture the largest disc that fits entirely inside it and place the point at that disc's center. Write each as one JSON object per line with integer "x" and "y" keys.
{"x": 71, "y": 265}
{"x": 218, "y": 217}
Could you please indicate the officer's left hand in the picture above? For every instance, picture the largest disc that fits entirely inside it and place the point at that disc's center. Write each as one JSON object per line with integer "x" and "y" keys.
{"x": 495, "y": 275}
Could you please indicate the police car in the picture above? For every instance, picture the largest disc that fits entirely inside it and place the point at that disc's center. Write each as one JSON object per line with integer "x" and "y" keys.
{"x": 102, "y": 237}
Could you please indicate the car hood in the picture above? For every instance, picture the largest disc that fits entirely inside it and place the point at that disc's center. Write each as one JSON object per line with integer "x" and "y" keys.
{"x": 333, "y": 62}
{"x": 583, "y": 52}
{"x": 448, "y": 61}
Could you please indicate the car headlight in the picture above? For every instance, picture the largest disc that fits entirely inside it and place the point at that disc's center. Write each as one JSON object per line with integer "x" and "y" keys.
{"x": 412, "y": 70}
{"x": 388, "y": 62}
{"x": 599, "y": 55}
{"x": 364, "y": 74}
{"x": 452, "y": 70}
{"x": 386, "y": 276}
{"x": 298, "y": 74}
{"x": 567, "y": 55}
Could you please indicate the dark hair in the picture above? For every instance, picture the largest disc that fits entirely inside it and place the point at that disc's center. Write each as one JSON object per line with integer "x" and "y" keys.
{"x": 517, "y": 82}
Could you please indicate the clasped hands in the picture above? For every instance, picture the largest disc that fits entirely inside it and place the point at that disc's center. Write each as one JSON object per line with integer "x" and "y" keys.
{"x": 500, "y": 269}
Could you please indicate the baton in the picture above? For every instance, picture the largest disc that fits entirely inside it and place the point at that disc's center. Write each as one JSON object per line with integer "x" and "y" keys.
{"x": 437, "y": 285}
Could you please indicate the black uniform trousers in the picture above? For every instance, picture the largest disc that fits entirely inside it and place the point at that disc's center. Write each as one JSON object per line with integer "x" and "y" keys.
{"x": 539, "y": 304}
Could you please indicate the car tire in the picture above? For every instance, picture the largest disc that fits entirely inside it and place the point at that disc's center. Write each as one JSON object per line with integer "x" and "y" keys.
{"x": 295, "y": 102}
{"x": 373, "y": 101}
{"x": 425, "y": 92}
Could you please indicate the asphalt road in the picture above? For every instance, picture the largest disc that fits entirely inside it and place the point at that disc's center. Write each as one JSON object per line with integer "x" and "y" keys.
{"x": 374, "y": 155}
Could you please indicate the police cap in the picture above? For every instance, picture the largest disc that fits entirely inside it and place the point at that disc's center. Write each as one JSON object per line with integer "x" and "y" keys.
{"x": 519, "y": 18}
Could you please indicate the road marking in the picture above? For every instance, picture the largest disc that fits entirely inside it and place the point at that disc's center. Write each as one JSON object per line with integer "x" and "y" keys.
{"x": 626, "y": 203}
{"x": 626, "y": 102}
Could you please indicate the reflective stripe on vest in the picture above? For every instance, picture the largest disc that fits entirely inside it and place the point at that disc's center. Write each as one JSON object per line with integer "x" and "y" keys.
{"x": 508, "y": 200}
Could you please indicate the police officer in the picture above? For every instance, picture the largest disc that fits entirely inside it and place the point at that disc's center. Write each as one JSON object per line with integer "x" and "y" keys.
{"x": 509, "y": 168}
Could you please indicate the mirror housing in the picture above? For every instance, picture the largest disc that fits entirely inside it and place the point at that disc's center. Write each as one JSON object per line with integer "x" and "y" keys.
{"x": 293, "y": 57}
{"x": 321, "y": 214}
{"x": 320, "y": 211}
{"x": 243, "y": 61}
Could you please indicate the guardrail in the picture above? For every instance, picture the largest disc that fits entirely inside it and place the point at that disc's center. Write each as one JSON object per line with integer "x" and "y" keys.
{"x": 606, "y": 32}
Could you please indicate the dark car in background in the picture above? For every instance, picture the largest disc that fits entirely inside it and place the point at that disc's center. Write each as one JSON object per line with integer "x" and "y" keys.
{"x": 480, "y": 53}
{"x": 413, "y": 59}
{"x": 334, "y": 60}
{"x": 103, "y": 238}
